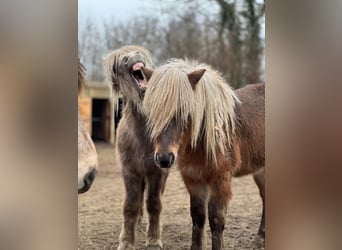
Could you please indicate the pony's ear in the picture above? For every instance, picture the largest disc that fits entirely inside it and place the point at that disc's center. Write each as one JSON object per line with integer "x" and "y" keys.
{"x": 147, "y": 73}
{"x": 195, "y": 76}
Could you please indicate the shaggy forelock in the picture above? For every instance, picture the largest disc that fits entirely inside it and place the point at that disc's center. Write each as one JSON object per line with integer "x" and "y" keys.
{"x": 170, "y": 96}
{"x": 81, "y": 73}
{"x": 164, "y": 99}
{"x": 115, "y": 58}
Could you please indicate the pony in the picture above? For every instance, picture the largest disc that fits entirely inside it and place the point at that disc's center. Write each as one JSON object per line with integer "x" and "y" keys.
{"x": 134, "y": 148}
{"x": 87, "y": 156}
{"x": 211, "y": 132}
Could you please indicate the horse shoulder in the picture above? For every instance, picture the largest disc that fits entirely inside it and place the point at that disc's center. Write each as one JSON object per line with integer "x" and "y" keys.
{"x": 250, "y": 129}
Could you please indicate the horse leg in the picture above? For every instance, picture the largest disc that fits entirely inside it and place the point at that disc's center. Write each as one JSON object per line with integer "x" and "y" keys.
{"x": 141, "y": 213}
{"x": 156, "y": 184}
{"x": 198, "y": 207}
{"x": 217, "y": 209}
{"x": 132, "y": 209}
{"x": 259, "y": 178}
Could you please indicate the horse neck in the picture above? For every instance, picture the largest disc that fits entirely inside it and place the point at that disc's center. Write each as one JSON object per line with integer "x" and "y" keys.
{"x": 134, "y": 114}
{"x": 133, "y": 107}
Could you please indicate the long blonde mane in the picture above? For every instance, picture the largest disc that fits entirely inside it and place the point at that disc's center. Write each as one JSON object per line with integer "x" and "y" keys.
{"x": 210, "y": 106}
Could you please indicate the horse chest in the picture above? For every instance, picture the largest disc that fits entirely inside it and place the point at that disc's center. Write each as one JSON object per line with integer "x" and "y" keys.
{"x": 133, "y": 140}
{"x": 194, "y": 171}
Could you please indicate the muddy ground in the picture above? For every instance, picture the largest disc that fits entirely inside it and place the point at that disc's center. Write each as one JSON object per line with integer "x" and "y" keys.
{"x": 100, "y": 211}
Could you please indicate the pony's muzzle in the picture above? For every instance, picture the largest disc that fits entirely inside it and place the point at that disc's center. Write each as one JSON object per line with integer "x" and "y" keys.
{"x": 164, "y": 160}
{"x": 87, "y": 181}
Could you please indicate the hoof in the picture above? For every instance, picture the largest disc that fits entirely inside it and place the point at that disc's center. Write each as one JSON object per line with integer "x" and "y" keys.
{"x": 261, "y": 233}
{"x": 125, "y": 246}
{"x": 154, "y": 247}
{"x": 259, "y": 241}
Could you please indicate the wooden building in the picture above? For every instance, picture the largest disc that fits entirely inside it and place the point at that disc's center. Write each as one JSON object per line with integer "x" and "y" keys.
{"x": 100, "y": 110}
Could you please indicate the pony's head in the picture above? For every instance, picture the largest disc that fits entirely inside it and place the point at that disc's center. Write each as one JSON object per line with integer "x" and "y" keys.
{"x": 87, "y": 156}
{"x": 188, "y": 106}
{"x": 123, "y": 69}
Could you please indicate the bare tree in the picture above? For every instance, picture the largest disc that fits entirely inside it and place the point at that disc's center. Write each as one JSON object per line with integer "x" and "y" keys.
{"x": 245, "y": 47}
{"x": 91, "y": 50}
{"x": 231, "y": 27}
{"x": 144, "y": 31}
{"x": 228, "y": 40}
{"x": 253, "y": 13}
{"x": 183, "y": 37}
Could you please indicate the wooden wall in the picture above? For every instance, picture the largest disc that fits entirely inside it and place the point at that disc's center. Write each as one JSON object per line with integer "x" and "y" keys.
{"x": 85, "y": 105}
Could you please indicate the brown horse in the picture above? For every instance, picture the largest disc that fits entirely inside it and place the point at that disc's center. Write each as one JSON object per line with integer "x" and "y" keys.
{"x": 134, "y": 148}
{"x": 87, "y": 156}
{"x": 212, "y": 132}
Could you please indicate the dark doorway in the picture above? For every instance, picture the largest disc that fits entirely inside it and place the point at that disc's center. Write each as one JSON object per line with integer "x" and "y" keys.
{"x": 101, "y": 119}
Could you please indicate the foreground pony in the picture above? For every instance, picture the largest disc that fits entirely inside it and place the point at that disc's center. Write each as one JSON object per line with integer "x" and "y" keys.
{"x": 212, "y": 132}
{"x": 87, "y": 156}
{"x": 135, "y": 150}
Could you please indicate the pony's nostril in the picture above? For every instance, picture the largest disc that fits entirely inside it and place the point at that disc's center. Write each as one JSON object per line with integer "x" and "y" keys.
{"x": 171, "y": 158}
{"x": 164, "y": 160}
{"x": 157, "y": 158}
{"x": 87, "y": 181}
{"x": 89, "y": 177}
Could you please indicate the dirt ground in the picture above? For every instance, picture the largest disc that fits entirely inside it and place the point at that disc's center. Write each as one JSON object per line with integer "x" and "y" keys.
{"x": 100, "y": 211}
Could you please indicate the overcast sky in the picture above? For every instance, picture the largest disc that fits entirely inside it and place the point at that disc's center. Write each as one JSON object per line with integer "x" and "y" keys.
{"x": 123, "y": 10}
{"x": 119, "y": 9}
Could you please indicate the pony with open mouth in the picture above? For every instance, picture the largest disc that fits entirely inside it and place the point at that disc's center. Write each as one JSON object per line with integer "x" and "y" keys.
{"x": 134, "y": 148}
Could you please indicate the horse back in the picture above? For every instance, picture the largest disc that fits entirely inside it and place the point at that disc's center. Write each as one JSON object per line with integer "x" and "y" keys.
{"x": 250, "y": 128}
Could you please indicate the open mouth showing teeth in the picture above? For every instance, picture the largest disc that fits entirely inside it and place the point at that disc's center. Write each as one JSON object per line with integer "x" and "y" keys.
{"x": 138, "y": 75}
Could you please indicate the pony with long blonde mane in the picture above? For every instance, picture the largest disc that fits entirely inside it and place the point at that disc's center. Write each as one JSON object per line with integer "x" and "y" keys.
{"x": 212, "y": 132}
{"x": 210, "y": 106}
